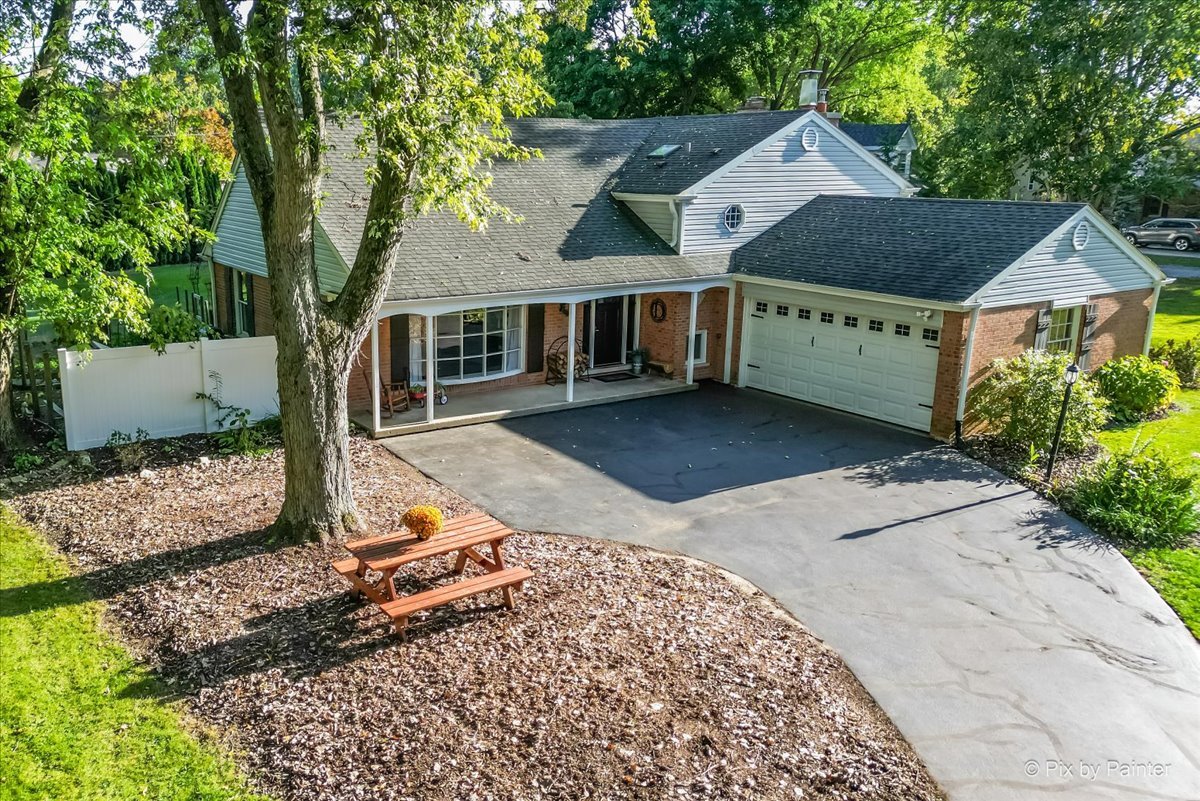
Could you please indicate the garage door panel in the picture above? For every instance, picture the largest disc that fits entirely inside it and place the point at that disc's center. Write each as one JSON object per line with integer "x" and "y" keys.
{"x": 874, "y": 373}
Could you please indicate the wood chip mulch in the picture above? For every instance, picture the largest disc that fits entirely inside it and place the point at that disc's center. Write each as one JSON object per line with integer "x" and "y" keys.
{"x": 622, "y": 673}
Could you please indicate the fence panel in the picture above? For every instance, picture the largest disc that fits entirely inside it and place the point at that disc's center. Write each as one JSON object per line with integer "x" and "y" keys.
{"x": 124, "y": 389}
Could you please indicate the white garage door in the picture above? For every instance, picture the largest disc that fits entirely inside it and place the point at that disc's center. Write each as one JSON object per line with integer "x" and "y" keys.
{"x": 874, "y": 360}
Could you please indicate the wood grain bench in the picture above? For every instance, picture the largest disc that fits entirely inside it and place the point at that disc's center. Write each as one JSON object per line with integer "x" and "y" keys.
{"x": 503, "y": 580}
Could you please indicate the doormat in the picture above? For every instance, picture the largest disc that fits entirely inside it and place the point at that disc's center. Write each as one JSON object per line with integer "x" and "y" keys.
{"x": 608, "y": 378}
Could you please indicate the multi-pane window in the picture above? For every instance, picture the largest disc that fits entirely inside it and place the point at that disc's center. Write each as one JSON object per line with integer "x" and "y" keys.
{"x": 804, "y": 314}
{"x": 1062, "y": 334}
{"x": 782, "y": 311}
{"x": 929, "y": 334}
{"x": 903, "y": 329}
{"x": 850, "y": 321}
{"x": 875, "y": 325}
{"x": 827, "y": 317}
{"x": 761, "y": 306}
{"x": 474, "y": 344}
{"x": 734, "y": 216}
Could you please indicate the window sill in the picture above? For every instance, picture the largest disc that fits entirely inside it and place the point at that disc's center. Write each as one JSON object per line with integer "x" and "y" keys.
{"x": 450, "y": 382}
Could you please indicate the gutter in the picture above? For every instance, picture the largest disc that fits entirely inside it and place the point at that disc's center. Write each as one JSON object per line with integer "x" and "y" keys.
{"x": 1153, "y": 310}
{"x": 965, "y": 378}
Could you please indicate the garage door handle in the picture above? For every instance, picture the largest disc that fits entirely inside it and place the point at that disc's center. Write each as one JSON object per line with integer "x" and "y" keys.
{"x": 813, "y": 344}
{"x": 860, "y": 350}
{"x": 755, "y": 366}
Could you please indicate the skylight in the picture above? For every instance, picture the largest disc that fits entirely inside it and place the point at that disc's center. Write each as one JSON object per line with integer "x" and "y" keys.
{"x": 662, "y": 151}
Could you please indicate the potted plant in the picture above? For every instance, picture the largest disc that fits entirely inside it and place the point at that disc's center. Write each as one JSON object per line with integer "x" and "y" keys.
{"x": 638, "y": 359}
{"x": 423, "y": 521}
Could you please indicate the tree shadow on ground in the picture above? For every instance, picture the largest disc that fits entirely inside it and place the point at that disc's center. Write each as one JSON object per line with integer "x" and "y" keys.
{"x": 1051, "y": 527}
{"x": 942, "y": 463}
{"x": 110, "y": 581}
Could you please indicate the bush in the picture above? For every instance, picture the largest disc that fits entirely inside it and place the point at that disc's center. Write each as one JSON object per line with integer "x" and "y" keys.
{"x": 1021, "y": 398}
{"x": 1182, "y": 357}
{"x": 1136, "y": 387}
{"x": 1139, "y": 496}
{"x": 169, "y": 324}
{"x": 131, "y": 451}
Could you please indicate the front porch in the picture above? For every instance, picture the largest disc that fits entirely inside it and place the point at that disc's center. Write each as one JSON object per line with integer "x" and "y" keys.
{"x": 483, "y": 407}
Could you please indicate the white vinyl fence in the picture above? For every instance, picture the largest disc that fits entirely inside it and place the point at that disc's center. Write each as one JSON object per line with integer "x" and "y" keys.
{"x": 124, "y": 389}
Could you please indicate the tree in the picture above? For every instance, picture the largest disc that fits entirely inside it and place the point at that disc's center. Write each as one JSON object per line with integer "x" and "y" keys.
{"x": 430, "y": 83}
{"x": 73, "y": 126}
{"x": 1084, "y": 95}
{"x": 871, "y": 55}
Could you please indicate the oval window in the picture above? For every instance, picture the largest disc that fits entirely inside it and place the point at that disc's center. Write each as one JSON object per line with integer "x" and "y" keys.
{"x": 1082, "y": 234}
{"x": 809, "y": 139}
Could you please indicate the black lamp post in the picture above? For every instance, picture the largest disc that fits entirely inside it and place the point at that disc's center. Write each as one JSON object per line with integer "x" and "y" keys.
{"x": 1070, "y": 377}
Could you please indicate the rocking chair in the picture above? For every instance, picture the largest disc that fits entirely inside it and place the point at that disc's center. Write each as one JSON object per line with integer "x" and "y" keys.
{"x": 393, "y": 395}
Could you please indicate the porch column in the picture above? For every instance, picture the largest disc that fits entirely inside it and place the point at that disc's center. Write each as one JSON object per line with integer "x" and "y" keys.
{"x": 691, "y": 340}
{"x": 729, "y": 310}
{"x": 376, "y": 389}
{"x": 624, "y": 329}
{"x": 430, "y": 367}
{"x": 637, "y": 321}
{"x": 571, "y": 352}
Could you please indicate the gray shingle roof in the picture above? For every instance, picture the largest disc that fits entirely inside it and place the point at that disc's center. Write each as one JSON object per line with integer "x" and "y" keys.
{"x": 924, "y": 248}
{"x": 573, "y": 233}
{"x": 715, "y": 140}
{"x": 871, "y": 135}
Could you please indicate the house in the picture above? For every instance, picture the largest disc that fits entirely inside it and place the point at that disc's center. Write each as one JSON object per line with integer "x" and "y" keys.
{"x": 892, "y": 142}
{"x": 768, "y": 250}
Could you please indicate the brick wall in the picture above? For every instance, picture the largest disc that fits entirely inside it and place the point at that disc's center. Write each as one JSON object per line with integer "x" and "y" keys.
{"x": 951, "y": 351}
{"x": 1121, "y": 327}
{"x": 739, "y": 307}
{"x": 667, "y": 340}
{"x": 264, "y": 325}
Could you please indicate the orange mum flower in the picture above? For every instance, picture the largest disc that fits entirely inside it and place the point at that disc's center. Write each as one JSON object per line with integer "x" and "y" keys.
{"x": 424, "y": 521}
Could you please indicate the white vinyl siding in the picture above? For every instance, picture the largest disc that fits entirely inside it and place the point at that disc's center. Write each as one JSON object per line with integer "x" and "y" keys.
{"x": 774, "y": 183}
{"x": 657, "y": 215}
{"x": 239, "y": 240}
{"x": 1060, "y": 273}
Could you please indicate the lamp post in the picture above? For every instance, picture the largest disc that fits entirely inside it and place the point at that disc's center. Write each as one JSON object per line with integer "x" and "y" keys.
{"x": 1070, "y": 377}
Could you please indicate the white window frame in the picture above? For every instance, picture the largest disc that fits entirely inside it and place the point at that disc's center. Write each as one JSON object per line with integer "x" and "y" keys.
{"x": 417, "y": 354}
{"x": 701, "y": 340}
{"x": 731, "y": 209}
{"x": 243, "y": 310}
{"x": 1069, "y": 342}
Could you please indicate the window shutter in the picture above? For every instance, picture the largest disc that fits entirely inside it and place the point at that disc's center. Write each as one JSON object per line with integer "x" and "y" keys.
{"x": 1042, "y": 331}
{"x": 1092, "y": 315}
{"x": 230, "y": 300}
{"x": 535, "y": 335}
{"x": 398, "y": 341}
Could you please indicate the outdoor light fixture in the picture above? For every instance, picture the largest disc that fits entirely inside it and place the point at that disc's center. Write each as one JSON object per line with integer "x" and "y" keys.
{"x": 1070, "y": 376}
{"x": 562, "y": 309}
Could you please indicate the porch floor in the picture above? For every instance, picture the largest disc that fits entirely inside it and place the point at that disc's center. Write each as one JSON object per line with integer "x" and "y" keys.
{"x": 486, "y": 406}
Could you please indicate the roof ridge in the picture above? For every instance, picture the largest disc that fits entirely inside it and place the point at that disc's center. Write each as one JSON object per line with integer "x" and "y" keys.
{"x": 999, "y": 201}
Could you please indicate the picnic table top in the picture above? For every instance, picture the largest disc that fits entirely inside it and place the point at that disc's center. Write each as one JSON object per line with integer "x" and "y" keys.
{"x": 394, "y": 550}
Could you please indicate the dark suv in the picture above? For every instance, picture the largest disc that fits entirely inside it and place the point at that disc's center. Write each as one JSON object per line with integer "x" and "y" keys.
{"x": 1178, "y": 232}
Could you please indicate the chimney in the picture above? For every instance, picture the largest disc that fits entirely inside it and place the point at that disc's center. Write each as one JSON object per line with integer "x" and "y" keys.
{"x": 822, "y": 100}
{"x": 755, "y": 103}
{"x": 808, "y": 89}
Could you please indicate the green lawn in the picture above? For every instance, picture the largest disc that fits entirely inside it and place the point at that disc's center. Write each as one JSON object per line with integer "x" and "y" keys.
{"x": 68, "y": 729}
{"x": 1175, "y": 574}
{"x": 169, "y": 277}
{"x": 1178, "y": 311}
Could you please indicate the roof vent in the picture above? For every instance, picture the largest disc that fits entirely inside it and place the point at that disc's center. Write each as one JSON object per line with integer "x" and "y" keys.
{"x": 1082, "y": 234}
{"x": 662, "y": 151}
{"x": 810, "y": 138}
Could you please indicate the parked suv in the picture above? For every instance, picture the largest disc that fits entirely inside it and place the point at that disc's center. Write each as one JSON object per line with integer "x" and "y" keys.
{"x": 1177, "y": 232}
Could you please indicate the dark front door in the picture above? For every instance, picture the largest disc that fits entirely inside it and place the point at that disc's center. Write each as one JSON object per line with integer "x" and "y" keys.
{"x": 608, "y": 331}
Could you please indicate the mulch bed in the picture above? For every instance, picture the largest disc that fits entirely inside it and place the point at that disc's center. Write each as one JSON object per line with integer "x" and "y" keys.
{"x": 622, "y": 673}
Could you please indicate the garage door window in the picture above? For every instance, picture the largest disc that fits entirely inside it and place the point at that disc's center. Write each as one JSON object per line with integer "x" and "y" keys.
{"x": 850, "y": 321}
{"x": 760, "y": 306}
{"x": 929, "y": 335}
{"x": 827, "y": 317}
{"x": 875, "y": 325}
{"x": 903, "y": 330}
{"x": 1063, "y": 330}
{"x": 804, "y": 314}
{"x": 782, "y": 311}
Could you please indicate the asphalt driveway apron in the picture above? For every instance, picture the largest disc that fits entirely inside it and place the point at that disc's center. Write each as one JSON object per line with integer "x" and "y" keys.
{"x": 1022, "y": 657}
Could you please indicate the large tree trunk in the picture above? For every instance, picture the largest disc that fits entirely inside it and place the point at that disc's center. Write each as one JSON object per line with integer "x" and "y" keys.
{"x": 8, "y": 426}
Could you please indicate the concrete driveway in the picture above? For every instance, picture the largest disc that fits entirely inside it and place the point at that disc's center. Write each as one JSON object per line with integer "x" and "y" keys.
{"x": 1021, "y": 657}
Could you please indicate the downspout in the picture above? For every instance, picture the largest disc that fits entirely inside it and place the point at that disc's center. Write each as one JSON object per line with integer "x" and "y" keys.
{"x": 1150, "y": 322}
{"x": 676, "y": 229}
{"x": 965, "y": 378}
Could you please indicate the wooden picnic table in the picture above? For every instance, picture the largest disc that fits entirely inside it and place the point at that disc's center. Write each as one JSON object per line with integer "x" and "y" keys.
{"x": 462, "y": 535}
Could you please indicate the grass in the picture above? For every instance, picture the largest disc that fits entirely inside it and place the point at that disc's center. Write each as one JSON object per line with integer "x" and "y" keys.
{"x": 170, "y": 277}
{"x": 69, "y": 725}
{"x": 1174, "y": 573}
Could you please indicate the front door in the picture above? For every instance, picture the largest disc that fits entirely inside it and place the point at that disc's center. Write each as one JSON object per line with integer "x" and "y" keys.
{"x": 608, "y": 331}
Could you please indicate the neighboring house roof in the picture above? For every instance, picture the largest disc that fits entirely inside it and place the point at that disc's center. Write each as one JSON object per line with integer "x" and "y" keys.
{"x": 874, "y": 136}
{"x": 706, "y": 143}
{"x": 572, "y": 233}
{"x": 926, "y": 248}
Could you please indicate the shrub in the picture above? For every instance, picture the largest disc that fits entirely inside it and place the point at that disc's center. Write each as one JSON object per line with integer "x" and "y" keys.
{"x": 1139, "y": 496}
{"x": 169, "y": 324}
{"x": 1021, "y": 398}
{"x": 1136, "y": 387}
{"x": 25, "y": 461}
{"x": 1182, "y": 357}
{"x": 131, "y": 451}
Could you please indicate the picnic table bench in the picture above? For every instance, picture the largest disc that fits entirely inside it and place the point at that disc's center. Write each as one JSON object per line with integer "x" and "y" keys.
{"x": 390, "y": 552}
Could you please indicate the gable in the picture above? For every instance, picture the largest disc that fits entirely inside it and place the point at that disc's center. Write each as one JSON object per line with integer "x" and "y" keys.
{"x": 659, "y": 215}
{"x": 239, "y": 241}
{"x": 779, "y": 179}
{"x": 1059, "y": 272}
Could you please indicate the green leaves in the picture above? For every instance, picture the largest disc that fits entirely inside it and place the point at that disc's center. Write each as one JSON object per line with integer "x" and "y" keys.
{"x": 1136, "y": 387}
